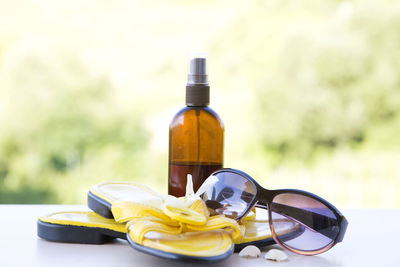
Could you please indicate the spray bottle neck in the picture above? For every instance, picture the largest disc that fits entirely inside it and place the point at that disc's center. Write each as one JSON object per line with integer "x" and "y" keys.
{"x": 197, "y": 88}
{"x": 197, "y": 95}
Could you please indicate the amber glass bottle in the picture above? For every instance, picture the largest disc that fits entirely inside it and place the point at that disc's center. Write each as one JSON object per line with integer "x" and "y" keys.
{"x": 196, "y": 134}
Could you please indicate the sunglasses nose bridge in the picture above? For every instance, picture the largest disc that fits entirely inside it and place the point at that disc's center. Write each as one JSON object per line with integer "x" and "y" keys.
{"x": 263, "y": 198}
{"x": 264, "y": 195}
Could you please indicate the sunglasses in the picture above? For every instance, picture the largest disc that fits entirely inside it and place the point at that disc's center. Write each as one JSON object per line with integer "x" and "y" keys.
{"x": 299, "y": 221}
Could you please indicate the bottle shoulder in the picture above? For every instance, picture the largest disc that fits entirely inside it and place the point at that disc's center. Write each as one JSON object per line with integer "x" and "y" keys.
{"x": 188, "y": 112}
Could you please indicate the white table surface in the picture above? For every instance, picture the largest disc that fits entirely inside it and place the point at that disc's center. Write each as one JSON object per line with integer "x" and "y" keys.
{"x": 372, "y": 239}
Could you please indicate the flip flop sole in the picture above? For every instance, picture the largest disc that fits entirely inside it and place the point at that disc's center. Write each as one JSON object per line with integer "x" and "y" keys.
{"x": 76, "y": 234}
{"x": 174, "y": 256}
{"x": 99, "y": 205}
{"x": 258, "y": 243}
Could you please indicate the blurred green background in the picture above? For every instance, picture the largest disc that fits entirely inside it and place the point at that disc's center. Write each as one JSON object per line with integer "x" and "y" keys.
{"x": 309, "y": 92}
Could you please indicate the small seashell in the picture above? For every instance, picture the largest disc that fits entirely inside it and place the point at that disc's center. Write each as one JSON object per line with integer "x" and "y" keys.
{"x": 275, "y": 255}
{"x": 250, "y": 252}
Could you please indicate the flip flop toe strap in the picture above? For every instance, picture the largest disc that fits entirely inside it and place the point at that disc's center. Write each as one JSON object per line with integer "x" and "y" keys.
{"x": 143, "y": 219}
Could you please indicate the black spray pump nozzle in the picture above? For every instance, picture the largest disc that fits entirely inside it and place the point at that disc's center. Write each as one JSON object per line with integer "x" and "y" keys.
{"x": 197, "y": 89}
{"x": 198, "y": 71}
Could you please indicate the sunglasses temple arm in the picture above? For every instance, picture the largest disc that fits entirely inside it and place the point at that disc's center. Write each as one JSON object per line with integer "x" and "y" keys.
{"x": 320, "y": 223}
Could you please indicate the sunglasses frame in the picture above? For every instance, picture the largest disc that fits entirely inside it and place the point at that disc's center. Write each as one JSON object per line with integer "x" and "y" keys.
{"x": 263, "y": 199}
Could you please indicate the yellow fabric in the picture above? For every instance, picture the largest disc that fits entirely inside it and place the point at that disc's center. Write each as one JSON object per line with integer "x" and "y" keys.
{"x": 154, "y": 220}
{"x": 185, "y": 215}
{"x": 250, "y": 216}
{"x": 204, "y": 237}
{"x": 127, "y": 211}
{"x": 198, "y": 244}
{"x": 138, "y": 228}
{"x": 153, "y": 233}
{"x": 221, "y": 222}
{"x": 255, "y": 230}
{"x": 121, "y": 191}
{"x": 200, "y": 207}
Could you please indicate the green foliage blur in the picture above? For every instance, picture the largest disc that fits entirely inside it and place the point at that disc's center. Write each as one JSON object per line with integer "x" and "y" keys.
{"x": 309, "y": 93}
{"x": 72, "y": 133}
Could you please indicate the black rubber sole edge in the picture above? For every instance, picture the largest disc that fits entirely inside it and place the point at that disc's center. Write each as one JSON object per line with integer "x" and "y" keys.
{"x": 99, "y": 205}
{"x": 258, "y": 243}
{"x": 76, "y": 234}
{"x": 174, "y": 256}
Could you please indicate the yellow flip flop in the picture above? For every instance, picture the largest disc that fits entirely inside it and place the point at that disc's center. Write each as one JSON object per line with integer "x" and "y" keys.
{"x": 104, "y": 198}
{"x": 195, "y": 236}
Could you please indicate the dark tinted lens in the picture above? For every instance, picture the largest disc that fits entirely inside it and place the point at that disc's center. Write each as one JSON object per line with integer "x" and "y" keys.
{"x": 231, "y": 195}
{"x": 314, "y": 225}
